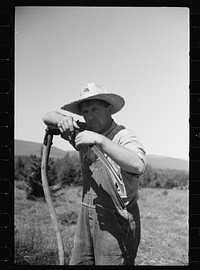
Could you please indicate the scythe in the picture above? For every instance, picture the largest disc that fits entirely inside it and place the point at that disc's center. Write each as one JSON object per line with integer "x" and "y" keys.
{"x": 48, "y": 138}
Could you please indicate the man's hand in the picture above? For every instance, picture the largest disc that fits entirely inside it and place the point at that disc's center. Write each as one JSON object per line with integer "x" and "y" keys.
{"x": 62, "y": 122}
{"x": 67, "y": 124}
{"x": 88, "y": 137}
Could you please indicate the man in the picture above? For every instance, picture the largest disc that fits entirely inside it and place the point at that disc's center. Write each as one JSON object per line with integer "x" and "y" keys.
{"x": 112, "y": 159}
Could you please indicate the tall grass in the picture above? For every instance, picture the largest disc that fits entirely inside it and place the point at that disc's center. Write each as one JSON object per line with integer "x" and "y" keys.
{"x": 35, "y": 238}
{"x": 164, "y": 221}
{"x": 164, "y": 218}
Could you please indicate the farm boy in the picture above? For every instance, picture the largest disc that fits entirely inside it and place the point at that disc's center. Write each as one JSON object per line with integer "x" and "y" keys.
{"x": 108, "y": 228}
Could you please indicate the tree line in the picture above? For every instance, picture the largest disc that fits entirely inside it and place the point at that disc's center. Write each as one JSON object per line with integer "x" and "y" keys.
{"x": 67, "y": 172}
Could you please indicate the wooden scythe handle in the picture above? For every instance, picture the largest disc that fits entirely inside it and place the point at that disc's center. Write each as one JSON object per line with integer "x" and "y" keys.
{"x": 45, "y": 156}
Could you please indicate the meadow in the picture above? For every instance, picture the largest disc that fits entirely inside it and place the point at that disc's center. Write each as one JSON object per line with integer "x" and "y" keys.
{"x": 164, "y": 221}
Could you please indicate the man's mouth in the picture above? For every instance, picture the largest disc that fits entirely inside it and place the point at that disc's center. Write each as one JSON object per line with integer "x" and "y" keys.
{"x": 92, "y": 123}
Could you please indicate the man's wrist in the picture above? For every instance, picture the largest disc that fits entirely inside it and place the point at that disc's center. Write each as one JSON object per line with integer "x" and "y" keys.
{"x": 100, "y": 140}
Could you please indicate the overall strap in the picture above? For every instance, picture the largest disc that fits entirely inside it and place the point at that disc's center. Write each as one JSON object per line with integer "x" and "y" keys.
{"x": 114, "y": 129}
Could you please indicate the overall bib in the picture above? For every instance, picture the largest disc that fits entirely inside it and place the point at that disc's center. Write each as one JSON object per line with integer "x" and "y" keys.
{"x": 108, "y": 231}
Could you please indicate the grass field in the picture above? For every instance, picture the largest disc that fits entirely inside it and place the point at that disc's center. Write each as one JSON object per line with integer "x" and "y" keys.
{"x": 164, "y": 221}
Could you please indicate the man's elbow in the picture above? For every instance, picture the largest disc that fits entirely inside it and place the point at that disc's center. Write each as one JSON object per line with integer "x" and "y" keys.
{"x": 45, "y": 119}
{"x": 48, "y": 118}
{"x": 139, "y": 167}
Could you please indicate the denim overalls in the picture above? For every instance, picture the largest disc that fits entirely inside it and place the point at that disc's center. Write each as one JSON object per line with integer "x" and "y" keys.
{"x": 108, "y": 232}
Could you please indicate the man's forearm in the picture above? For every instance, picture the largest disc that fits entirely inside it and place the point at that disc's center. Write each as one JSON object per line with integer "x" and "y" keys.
{"x": 52, "y": 118}
{"x": 122, "y": 156}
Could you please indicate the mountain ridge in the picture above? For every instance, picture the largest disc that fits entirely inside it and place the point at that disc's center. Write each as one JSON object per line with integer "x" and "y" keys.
{"x": 26, "y": 148}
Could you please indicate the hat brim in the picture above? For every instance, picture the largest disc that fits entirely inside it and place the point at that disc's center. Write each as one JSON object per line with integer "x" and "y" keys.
{"x": 116, "y": 103}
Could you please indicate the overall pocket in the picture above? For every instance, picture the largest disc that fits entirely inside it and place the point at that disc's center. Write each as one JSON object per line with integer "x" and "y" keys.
{"x": 127, "y": 223}
{"x": 109, "y": 221}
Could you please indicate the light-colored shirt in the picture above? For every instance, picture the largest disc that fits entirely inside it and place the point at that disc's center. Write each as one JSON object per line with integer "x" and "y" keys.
{"x": 127, "y": 184}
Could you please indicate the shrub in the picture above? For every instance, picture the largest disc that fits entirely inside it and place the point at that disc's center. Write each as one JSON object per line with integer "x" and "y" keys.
{"x": 22, "y": 185}
{"x": 34, "y": 181}
{"x": 68, "y": 218}
{"x": 160, "y": 178}
{"x": 20, "y": 173}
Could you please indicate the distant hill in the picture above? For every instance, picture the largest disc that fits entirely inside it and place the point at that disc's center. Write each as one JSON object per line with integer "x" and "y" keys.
{"x": 26, "y": 148}
{"x": 161, "y": 162}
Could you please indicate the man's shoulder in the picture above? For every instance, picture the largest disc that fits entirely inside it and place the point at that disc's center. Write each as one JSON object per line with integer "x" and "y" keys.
{"x": 125, "y": 135}
{"x": 125, "y": 132}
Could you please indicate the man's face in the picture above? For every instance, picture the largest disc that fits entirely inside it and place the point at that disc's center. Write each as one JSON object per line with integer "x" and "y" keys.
{"x": 96, "y": 114}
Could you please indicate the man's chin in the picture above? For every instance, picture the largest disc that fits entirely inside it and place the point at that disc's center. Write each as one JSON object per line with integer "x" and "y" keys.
{"x": 95, "y": 129}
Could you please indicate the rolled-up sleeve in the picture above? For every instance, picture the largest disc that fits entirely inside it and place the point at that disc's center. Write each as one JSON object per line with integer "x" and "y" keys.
{"x": 128, "y": 139}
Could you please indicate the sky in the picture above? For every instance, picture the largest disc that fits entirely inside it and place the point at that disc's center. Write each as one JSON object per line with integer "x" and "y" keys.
{"x": 140, "y": 53}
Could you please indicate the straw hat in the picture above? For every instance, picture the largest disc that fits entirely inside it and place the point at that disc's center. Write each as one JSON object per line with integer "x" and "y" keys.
{"x": 93, "y": 91}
